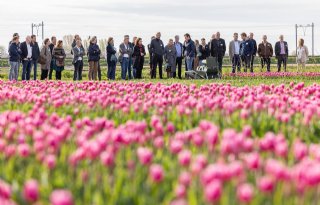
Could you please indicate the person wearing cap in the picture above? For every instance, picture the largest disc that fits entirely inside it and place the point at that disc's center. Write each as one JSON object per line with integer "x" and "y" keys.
{"x": 157, "y": 50}
{"x": 35, "y": 55}
{"x": 26, "y": 56}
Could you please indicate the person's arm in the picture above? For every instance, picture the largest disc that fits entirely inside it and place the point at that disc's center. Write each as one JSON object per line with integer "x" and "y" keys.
{"x": 271, "y": 51}
{"x": 230, "y": 50}
{"x": 193, "y": 49}
{"x": 224, "y": 47}
{"x": 260, "y": 51}
{"x": 287, "y": 49}
{"x": 307, "y": 51}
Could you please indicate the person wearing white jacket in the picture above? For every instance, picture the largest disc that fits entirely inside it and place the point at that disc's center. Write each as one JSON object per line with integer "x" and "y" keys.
{"x": 302, "y": 55}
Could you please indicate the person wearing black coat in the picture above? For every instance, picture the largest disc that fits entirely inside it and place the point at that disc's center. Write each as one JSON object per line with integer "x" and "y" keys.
{"x": 204, "y": 50}
{"x": 138, "y": 53}
{"x": 51, "y": 46}
{"x": 255, "y": 49}
{"x": 93, "y": 58}
{"x": 26, "y": 57}
{"x": 218, "y": 49}
{"x": 157, "y": 51}
{"x": 35, "y": 55}
{"x": 282, "y": 52}
{"x": 111, "y": 59}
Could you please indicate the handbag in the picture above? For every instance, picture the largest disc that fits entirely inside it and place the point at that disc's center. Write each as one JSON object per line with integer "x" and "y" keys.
{"x": 59, "y": 62}
{"x": 113, "y": 58}
{"x": 43, "y": 60}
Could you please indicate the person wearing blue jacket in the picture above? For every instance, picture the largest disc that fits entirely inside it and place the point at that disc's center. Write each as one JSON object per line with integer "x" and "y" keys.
{"x": 246, "y": 51}
{"x": 15, "y": 55}
{"x": 190, "y": 51}
{"x": 93, "y": 58}
{"x": 255, "y": 49}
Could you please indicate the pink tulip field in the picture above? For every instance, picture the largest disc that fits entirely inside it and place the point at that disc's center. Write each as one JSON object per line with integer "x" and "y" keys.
{"x": 138, "y": 143}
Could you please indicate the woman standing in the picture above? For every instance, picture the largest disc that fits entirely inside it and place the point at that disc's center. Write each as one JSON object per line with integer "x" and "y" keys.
{"x": 138, "y": 53}
{"x": 14, "y": 53}
{"x": 198, "y": 55}
{"x": 45, "y": 59}
{"x": 59, "y": 56}
{"x": 93, "y": 58}
{"x": 302, "y": 56}
{"x": 78, "y": 53}
{"x": 111, "y": 59}
{"x": 170, "y": 56}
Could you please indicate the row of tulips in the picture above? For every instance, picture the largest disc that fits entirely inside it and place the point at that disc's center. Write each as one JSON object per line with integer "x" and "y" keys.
{"x": 63, "y": 160}
{"x": 275, "y": 74}
{"x": 266, "y": 107}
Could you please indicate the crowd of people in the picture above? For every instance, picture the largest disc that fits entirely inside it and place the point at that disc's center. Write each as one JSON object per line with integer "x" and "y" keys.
{"x": 131, "y": 56}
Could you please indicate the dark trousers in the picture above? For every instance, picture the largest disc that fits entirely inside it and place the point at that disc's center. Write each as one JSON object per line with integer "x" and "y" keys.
{"x": 267, "y": 62}
{"x": 246, "y": 61}
{"x": 236, "y": 63}
{"x": 51, "y": 69}
{"x": 157, "y": 61}
{"x": 111, "y": 70}
{"x": 35, "y": 65}
{"x": 251, "y": 64}
{"x": 26, "y": 69}
{"x": 78, "y": 67}
{"x": 179, "y": 67}
{"x": 44, "y": 74}
{"x": 282, "y": 59}
{"x": 58, "y": 75}
{"x": 99, "y": 71}
{"x": 220, "y": 60}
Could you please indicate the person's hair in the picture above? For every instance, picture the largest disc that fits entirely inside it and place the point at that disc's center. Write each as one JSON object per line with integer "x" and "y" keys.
{"x": 197, "y": 42}
{"x": 244, "y": 34}
{"x": 59, "y": 44}
{"x": 169, "y": 41}
{"x": 32, "y": 36}
{"x": 75, "y": 36}
{"x": 15, "y": 34}
{"x": 137, "y": 41}
{"x": 45, "y": 41}
{"x": 203, "y": 39}
{"x": 187, "y": 35}
{"x": 236, "y": 34}
{"x": 93, "y": 39}
{"x": 301, "y": 42}
{"x": 15, "y": 38}
{"x": 109, "y": 40}
{"x": 126, "y": 36}
{"x": 53, "y": 37}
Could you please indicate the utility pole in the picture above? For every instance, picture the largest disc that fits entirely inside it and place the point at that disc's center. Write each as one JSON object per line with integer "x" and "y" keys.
{"x": 304, "y": 27}
{"x": 37, "y": 27}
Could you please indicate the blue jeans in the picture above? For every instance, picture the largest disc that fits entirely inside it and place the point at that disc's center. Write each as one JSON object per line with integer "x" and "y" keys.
{"x": 14, "y": 70}
{"x": 124, "y": 68}
{"x": 189, "y": 61}
{"x": 130, "y": 68}
{"x": 112, "y": 71}
{"x": 35, "y": 65}
{"x": 26, "y": 69}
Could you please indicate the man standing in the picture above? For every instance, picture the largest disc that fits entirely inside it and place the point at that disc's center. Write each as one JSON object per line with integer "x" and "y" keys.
{"x": 35, "y": 55}
{"x": 265, "y": 52}
{"x": 132, "y": 59}
{"x": 26, "y": 56}
{"x": 204, "y": 50}
{"x": 254, "y": 43}
{"x": 150, "y": 54}
{"x": 51, "y": 46}
{"x": 190, "y": 51}
{"x": 157, "y": 50}
{"x": 234, "y": 53}
{"x": 246, "y": 51}
{"x": 218, "y": 50}
{"x": 282, "y": 52}
{"x": 124, "y": 58}
{"x": 179, "y": 49}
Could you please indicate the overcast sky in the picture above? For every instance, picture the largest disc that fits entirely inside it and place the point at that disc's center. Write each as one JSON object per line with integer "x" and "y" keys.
{"x": 143, "y": 18}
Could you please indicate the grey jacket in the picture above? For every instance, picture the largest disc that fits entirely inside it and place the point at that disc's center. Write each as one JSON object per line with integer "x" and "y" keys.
{"x": 232, "y": 48}
{"x": 123, "y": 50}
{"x": 157, "y": 47}
{"x": 77, "y": 54}
{"x": 46, "y": 53}
{"x": 170, "y": 56}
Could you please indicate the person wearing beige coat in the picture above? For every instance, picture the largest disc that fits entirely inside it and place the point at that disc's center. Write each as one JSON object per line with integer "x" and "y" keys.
{"x": 302, "y": 55}
{"x": 45, "y": 53}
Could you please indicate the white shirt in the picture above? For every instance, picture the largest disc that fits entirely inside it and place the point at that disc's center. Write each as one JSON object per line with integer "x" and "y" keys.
{"x": 126, "y": 55}
{"x": 29, "y": 51}
{"x": 237, "y": 47}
